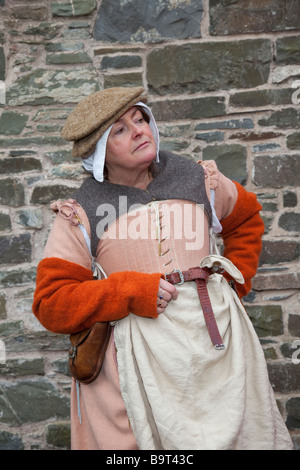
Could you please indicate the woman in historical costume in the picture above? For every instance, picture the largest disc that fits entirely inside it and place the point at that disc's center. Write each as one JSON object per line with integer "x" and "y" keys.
{"x": 184, "y": 368}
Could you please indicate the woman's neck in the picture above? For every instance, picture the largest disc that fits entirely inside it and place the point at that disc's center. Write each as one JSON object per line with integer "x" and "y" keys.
{"x": 137, "y": 180}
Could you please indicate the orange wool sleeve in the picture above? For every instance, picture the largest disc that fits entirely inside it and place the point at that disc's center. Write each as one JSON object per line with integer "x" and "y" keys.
{"x": 68, "y": 299}
{"x": 242, "y": 236}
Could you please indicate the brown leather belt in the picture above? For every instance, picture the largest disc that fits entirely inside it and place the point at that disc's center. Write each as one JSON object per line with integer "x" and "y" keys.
{"x": 200, "y": 276}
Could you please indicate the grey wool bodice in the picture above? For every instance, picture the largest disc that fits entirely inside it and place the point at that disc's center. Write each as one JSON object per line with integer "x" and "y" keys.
{"x": 175, "y": 177}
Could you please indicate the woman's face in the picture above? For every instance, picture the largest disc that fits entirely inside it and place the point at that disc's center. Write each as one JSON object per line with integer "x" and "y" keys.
{"x": 130, "y": 145}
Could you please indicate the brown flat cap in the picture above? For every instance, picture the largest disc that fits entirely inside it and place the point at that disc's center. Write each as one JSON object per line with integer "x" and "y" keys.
{"x": 95, "y": 114}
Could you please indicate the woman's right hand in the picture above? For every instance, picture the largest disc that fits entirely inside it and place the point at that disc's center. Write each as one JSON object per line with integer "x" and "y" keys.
{"x": 166, "y": 292}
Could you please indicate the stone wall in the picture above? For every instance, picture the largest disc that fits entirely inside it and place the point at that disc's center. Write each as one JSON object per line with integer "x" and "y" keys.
{"x": 223, "y": 78}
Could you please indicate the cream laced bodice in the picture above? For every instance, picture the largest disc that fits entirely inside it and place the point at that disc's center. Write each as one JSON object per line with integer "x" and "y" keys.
{"x": 158, "y": 237}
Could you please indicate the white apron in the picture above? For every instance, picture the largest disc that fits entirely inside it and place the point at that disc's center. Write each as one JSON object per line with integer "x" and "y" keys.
{"x": 181, "y": 393}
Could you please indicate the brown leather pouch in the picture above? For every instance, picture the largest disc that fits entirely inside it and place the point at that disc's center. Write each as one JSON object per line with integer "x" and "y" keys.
{"x": 87, "y": 351}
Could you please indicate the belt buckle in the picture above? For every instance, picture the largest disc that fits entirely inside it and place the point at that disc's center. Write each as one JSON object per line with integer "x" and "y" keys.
{"x": 180, "y": 275}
